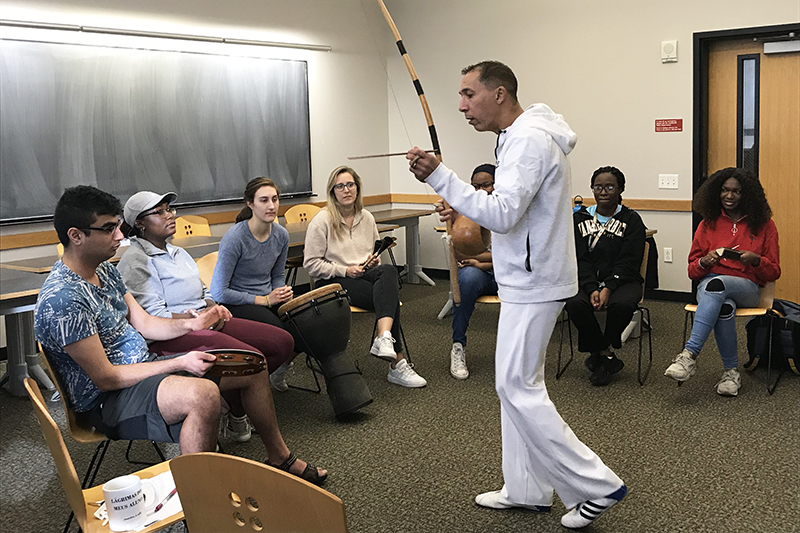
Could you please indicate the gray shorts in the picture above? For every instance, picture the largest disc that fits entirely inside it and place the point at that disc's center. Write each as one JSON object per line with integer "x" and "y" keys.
{"x": 132, "y": 413}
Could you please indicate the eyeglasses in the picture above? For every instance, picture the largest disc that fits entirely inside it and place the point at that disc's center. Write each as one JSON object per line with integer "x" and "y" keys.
{"x": 342, "y": 186}
{"x": 608, "y": 188}
{"x": 163, "y": 213}
{"x": 111, "y": 227}
{"x": 484, "y": 186}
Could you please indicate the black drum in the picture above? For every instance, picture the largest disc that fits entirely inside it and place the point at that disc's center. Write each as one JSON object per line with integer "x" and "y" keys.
{"x": 319, "y": 321}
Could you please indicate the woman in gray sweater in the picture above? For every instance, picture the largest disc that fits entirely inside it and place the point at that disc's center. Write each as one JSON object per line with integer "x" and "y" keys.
{"x": 249, "y": 275}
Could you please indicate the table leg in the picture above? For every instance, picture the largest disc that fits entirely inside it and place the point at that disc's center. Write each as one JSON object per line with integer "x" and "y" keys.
{"x": 415, "y": 272}
{"x": 22, "y": 354}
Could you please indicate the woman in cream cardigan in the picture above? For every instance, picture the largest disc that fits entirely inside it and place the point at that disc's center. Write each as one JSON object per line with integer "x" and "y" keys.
{"x": 339, "y": 249}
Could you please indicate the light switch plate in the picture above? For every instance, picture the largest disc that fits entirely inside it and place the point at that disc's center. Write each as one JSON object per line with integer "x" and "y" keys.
{"x": 667, "y": 181}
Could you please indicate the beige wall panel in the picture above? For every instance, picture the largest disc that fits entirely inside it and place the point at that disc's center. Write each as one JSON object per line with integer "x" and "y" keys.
{"x": 780, "y": 161}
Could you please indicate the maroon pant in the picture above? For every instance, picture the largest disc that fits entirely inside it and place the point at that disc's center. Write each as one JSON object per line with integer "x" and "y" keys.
{"x": 274, "y": 343}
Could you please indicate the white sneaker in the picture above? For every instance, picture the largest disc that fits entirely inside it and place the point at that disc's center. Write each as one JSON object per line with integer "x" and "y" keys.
{"x": 682, "y": 367}
{"x": 496, "y": 500}
{"x": 383, "y": 347}
{"x": 587, "y": 512}
{"x": 730, "y": 383}
{"x": 237, "y": 429}
{"x": 458, "y": 361}
{"x": 278, "y": 378}
{"x": 402, "y": 374}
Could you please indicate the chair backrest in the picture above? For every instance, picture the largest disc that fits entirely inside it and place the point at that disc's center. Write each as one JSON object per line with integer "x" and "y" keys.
{"x": 206, "y": 266}
{"x": 222, "y": 493}
{"x": 767, "y": 296}
{"x": 191, "y": 226}
{"x": 60, "y": 249}
{"x": 55, "y": 441}
{"x": 643, "y": 268}
{"x": 301, "y": 213}
{"x": 78, "y": 428}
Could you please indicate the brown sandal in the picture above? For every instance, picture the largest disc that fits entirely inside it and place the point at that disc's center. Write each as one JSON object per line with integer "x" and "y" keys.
{"x": 310, "y": 474}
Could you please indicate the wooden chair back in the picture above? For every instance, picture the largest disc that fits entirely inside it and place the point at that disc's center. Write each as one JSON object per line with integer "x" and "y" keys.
{"x": 80, "y": 499}
{"x": 58, "y": 449}
{"x": 206, "y": 266}
{"x": 191, "y": 226}
{"x": 301, "y": 213}
{"x": 767, "y": 296}
{"x": 224, "y": 493}
{"x": 78, "y": 428}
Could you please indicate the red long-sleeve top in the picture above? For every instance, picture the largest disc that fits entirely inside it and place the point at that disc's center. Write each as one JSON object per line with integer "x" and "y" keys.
{"x": 729, "y": 235}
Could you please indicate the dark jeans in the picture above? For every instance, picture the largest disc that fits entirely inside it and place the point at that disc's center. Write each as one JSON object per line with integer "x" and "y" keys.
{"x": 620, "y": 308}
{"x": 472, "y": 283}
{"x": 377, "y": 290}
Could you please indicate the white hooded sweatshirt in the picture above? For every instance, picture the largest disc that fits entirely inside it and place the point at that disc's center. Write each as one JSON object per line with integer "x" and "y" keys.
{"x": 529, "y": 213}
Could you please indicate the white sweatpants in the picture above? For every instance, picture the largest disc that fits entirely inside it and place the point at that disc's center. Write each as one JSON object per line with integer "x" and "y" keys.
{"x": 540, "y": 451}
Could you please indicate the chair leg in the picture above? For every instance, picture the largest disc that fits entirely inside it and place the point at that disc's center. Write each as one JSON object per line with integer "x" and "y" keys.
{"x": 394, "y": 263}
{"x": 645, "y": 312}
{"x": 686, "y": 319}
{"x": 146, "y": 463}
{"x": 559, "y": 369}
{"x": 91, "y": 473}
{"x": 771, "y": 388}
{"x": 405, "y": 344}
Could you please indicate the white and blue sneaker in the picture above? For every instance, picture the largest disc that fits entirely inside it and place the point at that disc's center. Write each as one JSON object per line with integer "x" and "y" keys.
{"x": 496, "y": 500}
{"x": 587, "y": 512}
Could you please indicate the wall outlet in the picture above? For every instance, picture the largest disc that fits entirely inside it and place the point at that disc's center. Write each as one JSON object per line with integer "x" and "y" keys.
{"x": 667, "y": 181}
{"x": 668, "y": 255}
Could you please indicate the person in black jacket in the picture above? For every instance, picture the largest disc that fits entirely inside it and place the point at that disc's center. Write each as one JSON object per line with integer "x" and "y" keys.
{"x": 609, "y": 240}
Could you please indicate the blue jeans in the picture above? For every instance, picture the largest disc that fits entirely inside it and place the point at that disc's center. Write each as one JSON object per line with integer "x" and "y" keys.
{"x": 472, "y": 282}
{"x": 717, "y": 299}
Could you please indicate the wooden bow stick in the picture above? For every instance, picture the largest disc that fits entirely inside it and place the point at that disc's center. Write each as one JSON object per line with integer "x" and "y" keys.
{"x": 434, "y": 140}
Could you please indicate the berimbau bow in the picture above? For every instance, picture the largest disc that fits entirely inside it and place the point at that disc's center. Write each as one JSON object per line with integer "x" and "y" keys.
{"x": 434, "y": 140}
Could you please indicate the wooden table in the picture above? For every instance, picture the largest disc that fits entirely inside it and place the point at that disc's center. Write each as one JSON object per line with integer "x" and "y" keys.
{"x": 20, "y": 283}
{"x": 43, "y": 265}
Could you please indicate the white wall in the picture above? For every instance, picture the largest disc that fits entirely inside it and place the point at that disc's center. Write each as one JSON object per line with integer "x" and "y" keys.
{"x": 596, "y": 62}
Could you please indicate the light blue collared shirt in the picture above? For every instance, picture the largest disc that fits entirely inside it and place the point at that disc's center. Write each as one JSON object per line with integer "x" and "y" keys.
{"x": 162, "y": 281}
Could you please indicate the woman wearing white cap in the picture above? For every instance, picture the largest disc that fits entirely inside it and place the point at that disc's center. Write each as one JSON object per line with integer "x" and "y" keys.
{"x": 165, "y": 281}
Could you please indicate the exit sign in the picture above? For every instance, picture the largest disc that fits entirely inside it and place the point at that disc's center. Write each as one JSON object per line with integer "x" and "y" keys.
{"x": 669, "y": 124}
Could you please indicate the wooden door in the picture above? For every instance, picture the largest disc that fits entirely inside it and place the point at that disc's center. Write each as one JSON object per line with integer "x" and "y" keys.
{"x": 778, "y": 142}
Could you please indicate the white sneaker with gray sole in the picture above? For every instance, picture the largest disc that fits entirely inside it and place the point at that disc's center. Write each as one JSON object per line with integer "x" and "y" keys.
{"x": 404, "y": 375}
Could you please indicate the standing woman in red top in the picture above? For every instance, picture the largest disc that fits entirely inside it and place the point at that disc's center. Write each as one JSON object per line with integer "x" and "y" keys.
{"x": 736, "y": 216}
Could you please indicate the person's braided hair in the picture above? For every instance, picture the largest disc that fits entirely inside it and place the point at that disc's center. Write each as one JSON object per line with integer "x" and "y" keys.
{"x": 753, "y": 202}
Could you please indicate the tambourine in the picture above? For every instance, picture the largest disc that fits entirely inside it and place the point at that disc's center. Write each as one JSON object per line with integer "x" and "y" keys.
{"x": 231, "y": 362}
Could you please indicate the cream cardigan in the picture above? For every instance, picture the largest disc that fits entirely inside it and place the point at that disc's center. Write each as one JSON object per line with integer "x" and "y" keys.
{"x": 326, "y": 256}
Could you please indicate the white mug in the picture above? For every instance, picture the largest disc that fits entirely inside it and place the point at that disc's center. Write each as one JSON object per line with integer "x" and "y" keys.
{"x": 128, "y": 501}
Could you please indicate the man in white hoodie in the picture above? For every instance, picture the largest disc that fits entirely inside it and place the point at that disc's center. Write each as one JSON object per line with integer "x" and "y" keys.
{"x": 530, "y": 217}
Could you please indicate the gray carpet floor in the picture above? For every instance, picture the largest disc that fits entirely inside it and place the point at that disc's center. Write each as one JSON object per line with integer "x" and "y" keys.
{"x": 414, "y": 460}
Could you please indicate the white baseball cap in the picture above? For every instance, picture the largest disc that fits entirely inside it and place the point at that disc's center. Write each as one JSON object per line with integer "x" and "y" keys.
{"x": 144, "y": 200}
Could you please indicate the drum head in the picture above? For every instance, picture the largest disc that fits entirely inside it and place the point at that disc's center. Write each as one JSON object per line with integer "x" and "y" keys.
{"x": 316, "y": 294}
